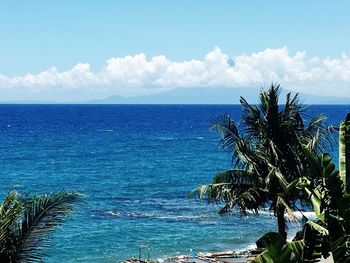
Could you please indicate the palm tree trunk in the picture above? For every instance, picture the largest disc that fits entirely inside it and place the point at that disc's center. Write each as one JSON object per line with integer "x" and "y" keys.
{"x": 281, "y": 222}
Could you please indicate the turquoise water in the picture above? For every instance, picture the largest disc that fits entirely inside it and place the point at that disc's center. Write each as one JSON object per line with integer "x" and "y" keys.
{"x": 136, "y": 165}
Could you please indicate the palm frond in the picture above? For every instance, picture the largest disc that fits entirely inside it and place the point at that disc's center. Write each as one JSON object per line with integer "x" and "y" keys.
{"x": 251, "y": 200}
{"x": 289, "y": 211}
{"x": 269, "y": 106}
{"x": 224, "y": 185}
{"x": 228, "y": 131}
{"x": 10, "y": 212}
{"x": 315, "y": 124}
{"x": 321, "y": 134}
{"x": 276, "y": 179}
{"x": 251, "y": 118}
{"x": 234, "y": 188}
{"x": 236, "y": 177}
{"x": 41, "y": 216}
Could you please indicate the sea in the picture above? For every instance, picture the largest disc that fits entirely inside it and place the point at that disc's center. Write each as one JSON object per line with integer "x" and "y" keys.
{"x": 135, "y": 166}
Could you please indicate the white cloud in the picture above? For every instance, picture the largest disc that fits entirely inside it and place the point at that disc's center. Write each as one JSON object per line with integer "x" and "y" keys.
{"x": 133, "y": 75}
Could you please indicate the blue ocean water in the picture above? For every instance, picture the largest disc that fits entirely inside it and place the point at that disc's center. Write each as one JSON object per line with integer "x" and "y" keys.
{"x": 136, "y": 165}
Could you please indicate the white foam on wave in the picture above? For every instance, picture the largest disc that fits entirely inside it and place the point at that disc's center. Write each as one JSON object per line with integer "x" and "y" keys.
{"x": 167, "y": 138}
{"x": 106, "y": 130}
{"x": 156, "y": 216}
{"x": 309, "y": 215}
{"x": 297, "y": 214}
{"x": 112, "y": 213}
{"x": 179, "y": 218}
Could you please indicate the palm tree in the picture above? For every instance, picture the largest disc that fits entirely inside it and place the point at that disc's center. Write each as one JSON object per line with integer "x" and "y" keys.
{"x": 268, "y": 160}
{"x": 26, "y": 222}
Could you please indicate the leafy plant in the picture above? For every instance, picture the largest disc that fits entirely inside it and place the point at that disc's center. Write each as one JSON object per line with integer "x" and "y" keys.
{"x": 26, "y": 222}
{"x": 331, "y": 204}
{"x": 278, "y": 250}
{"x": 268, "y": 160}
{"x": 344, "y": 151}
{"x": 330, "y": 200}
{"x": 330, "y": 197}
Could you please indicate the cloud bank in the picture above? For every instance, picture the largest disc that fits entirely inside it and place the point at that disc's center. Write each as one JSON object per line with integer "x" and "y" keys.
{"x": 136, "y": 75}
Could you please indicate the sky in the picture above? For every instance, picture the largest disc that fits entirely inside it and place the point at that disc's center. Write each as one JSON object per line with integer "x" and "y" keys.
{"x": 81, "y": 50}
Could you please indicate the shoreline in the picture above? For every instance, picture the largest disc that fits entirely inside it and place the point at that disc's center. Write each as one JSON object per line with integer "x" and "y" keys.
{"x": 242, "y": 256}
{"x": 234, "y": 256}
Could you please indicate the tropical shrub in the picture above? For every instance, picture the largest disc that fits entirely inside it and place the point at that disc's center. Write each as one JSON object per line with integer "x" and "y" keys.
{"x": 278, "y": 250}
{"x": 331, "y": 196}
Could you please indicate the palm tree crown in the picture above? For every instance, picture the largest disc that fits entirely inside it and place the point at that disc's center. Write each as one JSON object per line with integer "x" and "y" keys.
{"x": 267, "y": 155}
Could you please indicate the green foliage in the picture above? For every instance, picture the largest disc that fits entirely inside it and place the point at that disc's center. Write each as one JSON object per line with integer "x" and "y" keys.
{"x": 268, "y": 160}
{"x": 316, "y": 242}
{"x": 278, "y": 250}
{"x": 310, "y": 248}
{"x": 344, "y": 150}
{"x": 331, "y": 203}
{"x": 26, "y": 222}
{"x": 244, "y": 196}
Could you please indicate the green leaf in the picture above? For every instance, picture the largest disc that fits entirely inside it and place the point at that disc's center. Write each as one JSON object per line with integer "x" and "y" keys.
{"x": 278, "y": 251}
{"x": 322, "y": 230}
{"x": 42, "y": 214}
{"x": 315, "y": 197}
{"x": 344, "y": 150}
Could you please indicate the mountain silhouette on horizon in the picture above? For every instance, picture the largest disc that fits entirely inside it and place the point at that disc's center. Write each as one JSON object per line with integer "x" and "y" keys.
{"x": 219, "y": 95}
{"x": 197, "y": 95}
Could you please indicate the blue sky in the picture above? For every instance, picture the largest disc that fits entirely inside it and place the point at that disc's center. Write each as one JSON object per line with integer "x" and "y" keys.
{"x": 39, "y": 35}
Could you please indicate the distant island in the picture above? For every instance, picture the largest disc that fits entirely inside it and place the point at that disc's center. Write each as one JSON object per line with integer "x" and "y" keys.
{"x": 197, "y": 95}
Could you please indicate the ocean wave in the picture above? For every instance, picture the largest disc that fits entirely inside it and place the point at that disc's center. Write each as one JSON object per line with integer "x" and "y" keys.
{"x": 149, "y": 215}
{"x": 167, "y": 138}
{"x": 175, "y": 138}
{"x": 112, "y": 213}
{"x": 106, "y": 130}
{"x": 297, "y": 214}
